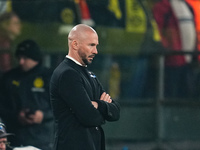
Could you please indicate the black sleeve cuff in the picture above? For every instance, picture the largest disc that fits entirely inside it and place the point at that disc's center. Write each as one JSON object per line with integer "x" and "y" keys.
{"x": 102, "y": 107}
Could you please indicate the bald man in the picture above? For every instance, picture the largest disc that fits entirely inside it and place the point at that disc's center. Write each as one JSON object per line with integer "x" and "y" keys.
{"x": 80, "y": 104}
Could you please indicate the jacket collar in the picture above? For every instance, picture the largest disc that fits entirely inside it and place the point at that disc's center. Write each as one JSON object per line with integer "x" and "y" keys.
{"x": 78, "y": 63}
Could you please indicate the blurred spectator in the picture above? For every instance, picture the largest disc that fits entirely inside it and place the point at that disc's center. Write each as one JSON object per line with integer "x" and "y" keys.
{"x": 10, "y": 28}
{"x": 114, "y": 81}
{"x": 26, "y": 92}
{"x": 3, "y": 137}
{"x": 5, "y": 144}
{"x": 177, "y": 69}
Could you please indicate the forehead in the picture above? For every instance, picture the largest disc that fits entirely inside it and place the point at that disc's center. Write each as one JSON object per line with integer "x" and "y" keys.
{"x": 91, "y": 38}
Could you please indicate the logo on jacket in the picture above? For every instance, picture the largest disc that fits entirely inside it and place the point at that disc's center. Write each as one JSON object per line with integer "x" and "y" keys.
{"x": 92, "y": 75}
{"x": 16, "y": 83}
{"x": 38, "y": 84}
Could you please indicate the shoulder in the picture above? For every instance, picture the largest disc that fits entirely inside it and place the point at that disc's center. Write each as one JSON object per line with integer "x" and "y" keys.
{"x": 11, "y": 73}
{"x": 47, "y": 71}
{"x": 41, "y": 70}
{"x": 9, "y": 76}
{"x": 69, "y": 73}
{"x": 66, "y": 67}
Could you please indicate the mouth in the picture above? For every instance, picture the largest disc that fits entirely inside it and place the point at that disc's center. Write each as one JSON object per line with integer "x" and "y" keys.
{"x": 91, "y": 57}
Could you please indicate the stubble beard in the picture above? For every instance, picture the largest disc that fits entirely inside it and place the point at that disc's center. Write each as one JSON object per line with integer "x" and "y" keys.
{"x": 86, "y": 62}
{"x": 85, "y": 59}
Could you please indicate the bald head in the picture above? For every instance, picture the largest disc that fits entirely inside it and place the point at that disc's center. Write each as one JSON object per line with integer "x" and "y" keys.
{"x": 82, "y": 42}
{"x": 79, "y": 32}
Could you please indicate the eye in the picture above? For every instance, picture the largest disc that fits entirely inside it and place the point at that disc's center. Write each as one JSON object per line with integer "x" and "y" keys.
{"x": 92, "y": 44}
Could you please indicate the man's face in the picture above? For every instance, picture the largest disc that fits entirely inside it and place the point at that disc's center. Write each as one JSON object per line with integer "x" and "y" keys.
{"x": 88, "y": 48}
{"x": 3, "y": 142}
{"x": 26, "y": 63}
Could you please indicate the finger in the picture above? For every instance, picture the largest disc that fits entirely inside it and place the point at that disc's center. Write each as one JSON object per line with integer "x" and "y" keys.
{"x": 95, "y": 104}
{"x": 102, "y": 96}
{"x": 107, "y": 97}
{"x": 110, "y": 100}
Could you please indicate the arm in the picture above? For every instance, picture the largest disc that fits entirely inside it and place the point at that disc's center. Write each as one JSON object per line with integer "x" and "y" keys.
{"x": 109, "y": 108}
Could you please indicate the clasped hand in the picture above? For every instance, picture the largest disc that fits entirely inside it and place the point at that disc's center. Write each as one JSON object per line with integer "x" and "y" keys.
{"x": 35, "y": 118}
{"x": 104, "y": 97}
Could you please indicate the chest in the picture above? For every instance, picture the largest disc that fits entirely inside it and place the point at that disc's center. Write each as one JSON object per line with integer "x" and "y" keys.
{"x": 91, "y": 85}
{"x": 27, "y": 84}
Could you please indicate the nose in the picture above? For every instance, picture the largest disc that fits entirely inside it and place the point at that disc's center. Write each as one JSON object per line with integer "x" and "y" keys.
{"x": 21, "y": 61}
{"x": 95, "y": 50}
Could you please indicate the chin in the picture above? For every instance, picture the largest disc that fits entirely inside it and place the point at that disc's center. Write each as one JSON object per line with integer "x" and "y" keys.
{"x": 87, "y": 62}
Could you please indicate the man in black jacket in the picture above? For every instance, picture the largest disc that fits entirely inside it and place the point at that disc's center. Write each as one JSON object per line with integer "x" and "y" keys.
{"x": 80, "y": 104}
{"x": 27, "y": 111}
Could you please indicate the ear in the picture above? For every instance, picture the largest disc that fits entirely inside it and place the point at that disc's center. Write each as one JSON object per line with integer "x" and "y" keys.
{"x": 74, "y": 44}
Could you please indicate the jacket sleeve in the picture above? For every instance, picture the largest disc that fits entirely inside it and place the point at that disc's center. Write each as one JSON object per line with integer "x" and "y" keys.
{"x": 73, "y": 92}
{"x": 110, "y": 111}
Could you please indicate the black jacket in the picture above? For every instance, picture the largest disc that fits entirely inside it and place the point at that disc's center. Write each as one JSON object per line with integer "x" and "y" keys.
{"x": 78, "y": 122}
{"x": 30, "y": 90}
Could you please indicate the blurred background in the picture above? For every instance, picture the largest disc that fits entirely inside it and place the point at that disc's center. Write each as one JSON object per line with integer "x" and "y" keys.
{"x": 148, "y": 61}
